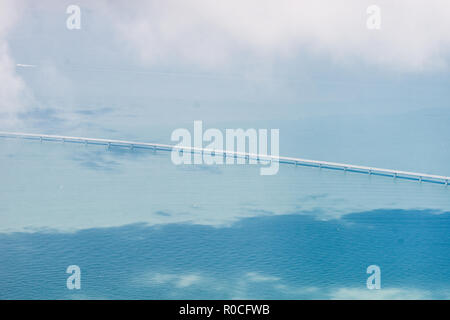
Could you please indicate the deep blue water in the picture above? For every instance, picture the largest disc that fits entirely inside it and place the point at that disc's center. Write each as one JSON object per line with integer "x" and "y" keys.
{"x": 269, "y": 257}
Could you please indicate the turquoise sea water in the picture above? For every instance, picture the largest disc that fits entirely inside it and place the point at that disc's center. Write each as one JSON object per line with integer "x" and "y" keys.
{"x": 140, "y": 227}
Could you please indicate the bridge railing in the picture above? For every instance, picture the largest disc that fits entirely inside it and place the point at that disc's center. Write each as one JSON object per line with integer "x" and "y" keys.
{"x": 229, "y": 153}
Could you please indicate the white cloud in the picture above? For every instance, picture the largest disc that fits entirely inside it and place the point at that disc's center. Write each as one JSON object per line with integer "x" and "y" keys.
{"x": 414, "y": 35}
{"x": 12, "y": 86}
{"x": 178, "y": 281}
{"x": 188, "y": 280}
{"x": 258, "y": 277}
{"x": 11, "y": 83}
{"x": 382, "y": 294}
{"x": 252, "y": 284}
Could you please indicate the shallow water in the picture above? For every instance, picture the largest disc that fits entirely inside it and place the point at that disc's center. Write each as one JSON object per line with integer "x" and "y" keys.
{"x": 140, "y": 227}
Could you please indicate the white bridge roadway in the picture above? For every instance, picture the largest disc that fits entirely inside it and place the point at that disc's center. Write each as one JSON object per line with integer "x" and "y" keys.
{"x": 227, "y": 153}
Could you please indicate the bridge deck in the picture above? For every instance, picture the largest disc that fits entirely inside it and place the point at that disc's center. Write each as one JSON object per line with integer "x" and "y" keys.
{"x": 226, "y": 153}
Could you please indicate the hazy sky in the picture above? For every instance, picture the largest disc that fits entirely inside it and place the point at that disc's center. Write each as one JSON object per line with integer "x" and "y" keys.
{"x": 294, "y": 58}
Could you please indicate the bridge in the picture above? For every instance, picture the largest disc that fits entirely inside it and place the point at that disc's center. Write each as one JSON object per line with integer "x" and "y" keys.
{"x": 396, "y": 174}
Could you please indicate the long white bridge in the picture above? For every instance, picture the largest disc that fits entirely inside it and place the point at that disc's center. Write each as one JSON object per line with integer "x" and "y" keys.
{"x": 227, "y": 153}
